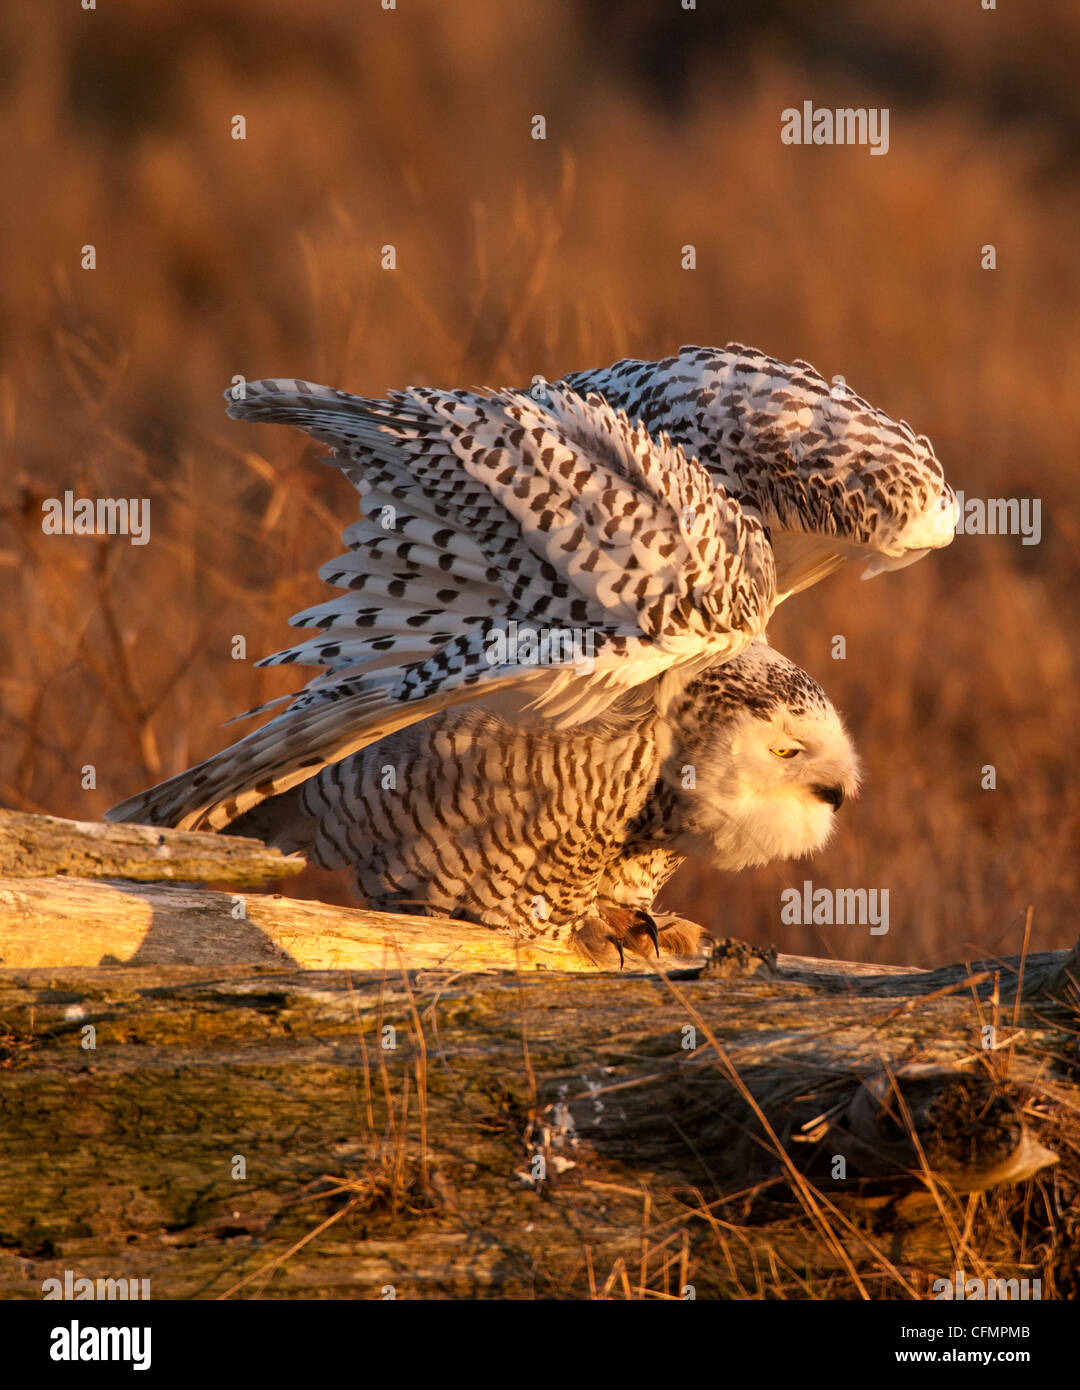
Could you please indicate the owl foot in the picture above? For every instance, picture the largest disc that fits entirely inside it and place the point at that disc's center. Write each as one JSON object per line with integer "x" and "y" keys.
{"x": 604, "y": 936}
{"x": 615, "y": 929}
{"x": 681, "y": 937}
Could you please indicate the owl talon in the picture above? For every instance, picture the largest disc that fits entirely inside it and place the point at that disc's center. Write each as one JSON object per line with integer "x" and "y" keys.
{"x": 651, "y": 931}
{"x": 632, "y": 927}
{"x": 594, "y": 936}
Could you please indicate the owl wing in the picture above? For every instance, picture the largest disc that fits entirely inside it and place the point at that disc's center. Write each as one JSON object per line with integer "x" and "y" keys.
{"x": 830, "y": 477}
{"x": 488, "y": 517}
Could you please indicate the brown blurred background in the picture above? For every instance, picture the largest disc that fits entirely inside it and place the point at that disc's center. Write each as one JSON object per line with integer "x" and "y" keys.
{"x": 218, "y": 257}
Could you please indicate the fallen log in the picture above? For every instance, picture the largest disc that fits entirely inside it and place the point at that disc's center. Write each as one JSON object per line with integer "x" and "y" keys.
{"x": 79, "y": 922}
{"x": 330, "y": 1102}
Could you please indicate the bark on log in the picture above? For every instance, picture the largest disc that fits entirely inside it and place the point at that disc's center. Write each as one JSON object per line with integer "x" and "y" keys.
{"x": 37, "y": 846}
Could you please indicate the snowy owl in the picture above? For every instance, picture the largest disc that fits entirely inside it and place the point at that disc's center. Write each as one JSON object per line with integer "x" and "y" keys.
{"x": 641, "y": 522}
{"x": 571, "y": 832}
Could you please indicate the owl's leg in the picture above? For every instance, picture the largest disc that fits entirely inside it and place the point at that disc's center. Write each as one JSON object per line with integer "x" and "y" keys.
{"x": 615, "y": 928}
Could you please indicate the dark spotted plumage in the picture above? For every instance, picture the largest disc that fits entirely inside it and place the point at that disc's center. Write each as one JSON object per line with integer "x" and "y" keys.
{"x": 815, "y": 461}
{"x": 661, "y": 508}
{"x": 562, "y": 516}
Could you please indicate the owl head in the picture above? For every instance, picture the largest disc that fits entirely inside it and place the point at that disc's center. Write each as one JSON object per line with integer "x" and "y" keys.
{"x": 760, "y": 762}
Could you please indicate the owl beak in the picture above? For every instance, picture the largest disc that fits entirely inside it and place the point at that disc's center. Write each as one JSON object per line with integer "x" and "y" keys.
{"x": 832, "y": 796}
{"x": 880, "y": 563}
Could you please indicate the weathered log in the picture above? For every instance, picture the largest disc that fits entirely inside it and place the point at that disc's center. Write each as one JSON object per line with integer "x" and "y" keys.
{"x": 81, "y": 922}
{"x": 37, "y": 846}
{"x": 230, "y": 1094}
{"x": 549, "y": 1133}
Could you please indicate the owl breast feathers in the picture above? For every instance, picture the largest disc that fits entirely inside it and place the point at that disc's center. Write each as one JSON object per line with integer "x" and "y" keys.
{"x": 502, "y": 819}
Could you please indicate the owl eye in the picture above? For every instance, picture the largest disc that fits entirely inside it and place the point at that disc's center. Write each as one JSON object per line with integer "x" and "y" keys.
{"x": 786, "y": 752}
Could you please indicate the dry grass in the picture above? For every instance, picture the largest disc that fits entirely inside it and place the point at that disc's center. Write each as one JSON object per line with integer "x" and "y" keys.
{"x": 735, "y": 1244}
{"x": 218, "y": 257}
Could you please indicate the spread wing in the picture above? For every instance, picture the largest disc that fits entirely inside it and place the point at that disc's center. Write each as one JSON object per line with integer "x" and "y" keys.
{"x": 488, "y": 518}
{"x": 831, "y": 477}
